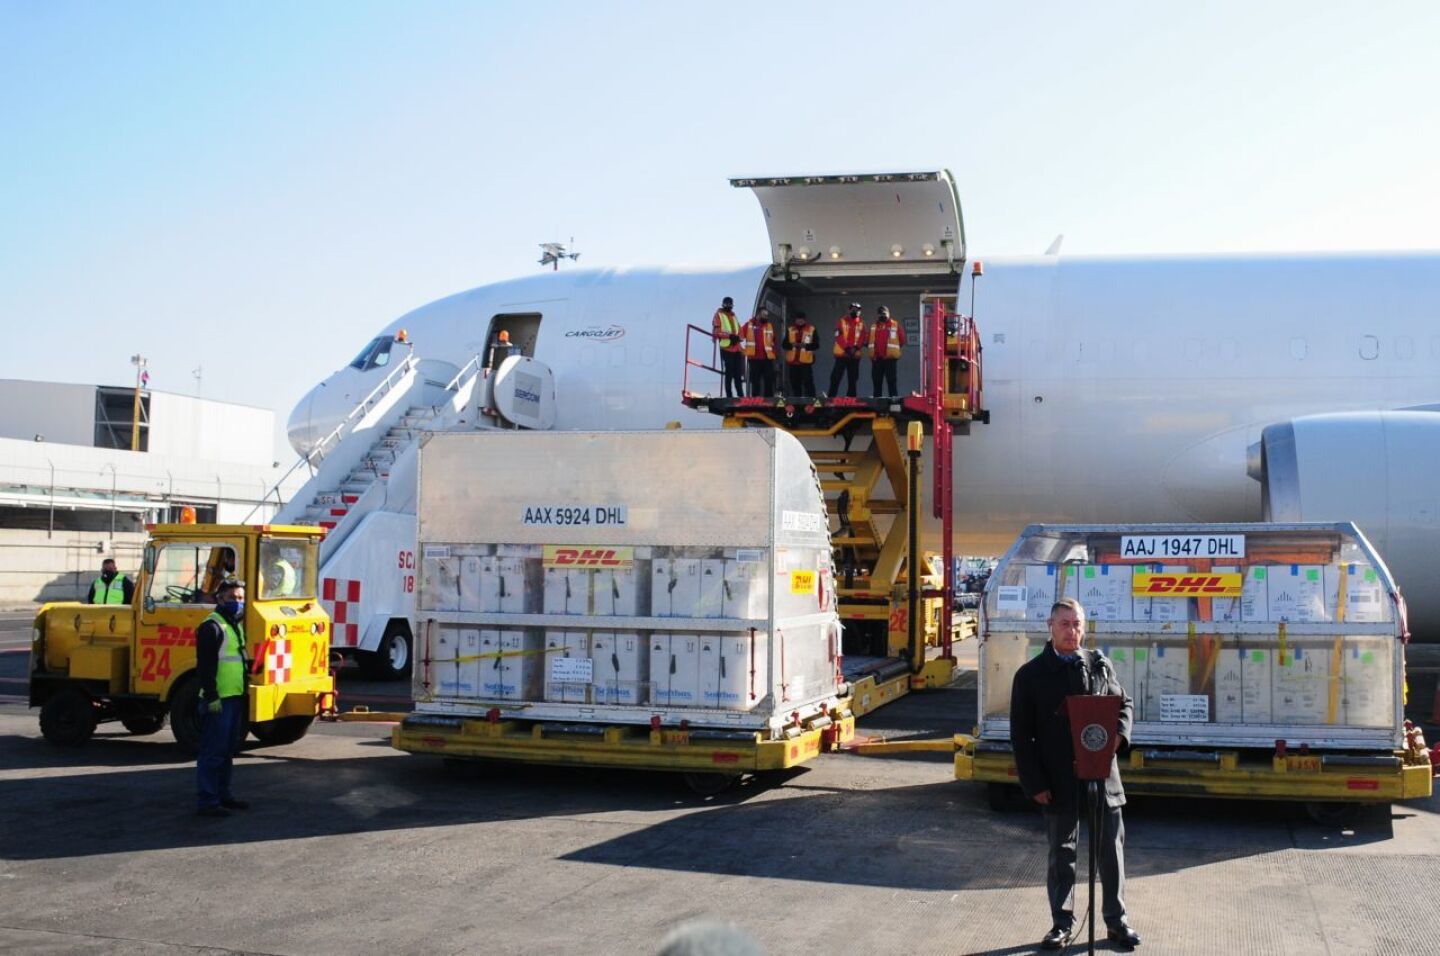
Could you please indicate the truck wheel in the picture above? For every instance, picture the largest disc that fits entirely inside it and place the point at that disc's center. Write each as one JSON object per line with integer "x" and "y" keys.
{"x": 392, "y": 659}
{"x": 68, "y": 718}
{"x": 142, "y": 724}
{"x": 185, "y": 715}
{"x": 281, "y": 730}
{"x": 710, "y": 784}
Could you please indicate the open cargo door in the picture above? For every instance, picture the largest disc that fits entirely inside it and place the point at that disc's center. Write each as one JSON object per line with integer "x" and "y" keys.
{"x": 864, "y": 224}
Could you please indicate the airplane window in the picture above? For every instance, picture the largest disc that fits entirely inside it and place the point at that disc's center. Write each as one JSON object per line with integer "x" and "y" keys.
{"x": 374, "y": 354}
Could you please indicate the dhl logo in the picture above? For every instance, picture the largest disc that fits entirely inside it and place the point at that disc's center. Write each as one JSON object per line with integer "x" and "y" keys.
{"x": 562, "y": 556}
{"x": 1187, "y": 585}
{"x": 168, "y": 635}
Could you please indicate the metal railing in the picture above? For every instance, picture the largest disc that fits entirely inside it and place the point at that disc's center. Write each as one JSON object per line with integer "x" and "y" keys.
{"x": 714, "y": 352}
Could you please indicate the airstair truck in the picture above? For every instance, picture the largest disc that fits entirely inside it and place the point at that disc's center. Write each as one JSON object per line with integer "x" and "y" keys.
{"x": 660, "y": 600}
{"x": 1266, "y": 661}
{"x": 95, "y": 663}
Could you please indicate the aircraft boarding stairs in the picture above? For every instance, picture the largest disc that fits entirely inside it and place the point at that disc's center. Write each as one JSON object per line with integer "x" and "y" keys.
{"x": 859, "y": 449}
{"x": 352, "y": 469}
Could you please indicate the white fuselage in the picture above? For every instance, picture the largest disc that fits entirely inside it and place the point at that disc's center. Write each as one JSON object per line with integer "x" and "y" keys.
{"x": 1120, "y": 389}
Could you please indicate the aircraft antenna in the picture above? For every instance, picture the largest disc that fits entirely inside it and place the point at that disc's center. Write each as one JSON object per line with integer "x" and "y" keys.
{"x": 552, "y": 252}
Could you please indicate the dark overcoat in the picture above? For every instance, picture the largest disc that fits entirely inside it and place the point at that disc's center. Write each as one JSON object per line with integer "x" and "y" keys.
{"x": 1040, "y": 731}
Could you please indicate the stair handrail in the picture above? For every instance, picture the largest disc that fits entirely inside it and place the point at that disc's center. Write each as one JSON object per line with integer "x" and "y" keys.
{"x": 454, "y": 383}
{"x": 359, "y": 411}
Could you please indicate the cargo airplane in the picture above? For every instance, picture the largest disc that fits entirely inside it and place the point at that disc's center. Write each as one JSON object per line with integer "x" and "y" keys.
{"x": 1120, "y": 389}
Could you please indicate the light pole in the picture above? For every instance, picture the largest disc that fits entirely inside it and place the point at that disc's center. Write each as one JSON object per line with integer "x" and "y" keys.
{"x": 139, "y": 361}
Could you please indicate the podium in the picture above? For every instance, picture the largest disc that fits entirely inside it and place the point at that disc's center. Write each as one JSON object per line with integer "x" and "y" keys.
{"x": 1093, "y": 722}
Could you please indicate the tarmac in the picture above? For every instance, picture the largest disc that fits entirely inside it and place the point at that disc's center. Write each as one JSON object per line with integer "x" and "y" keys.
{"x": 353, "y": 847}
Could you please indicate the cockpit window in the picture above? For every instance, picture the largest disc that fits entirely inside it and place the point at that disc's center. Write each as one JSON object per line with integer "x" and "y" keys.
{"x": 375, "y": 354}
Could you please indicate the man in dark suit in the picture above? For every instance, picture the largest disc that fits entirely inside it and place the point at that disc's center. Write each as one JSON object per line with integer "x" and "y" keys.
{"x": 1045, "y": 758}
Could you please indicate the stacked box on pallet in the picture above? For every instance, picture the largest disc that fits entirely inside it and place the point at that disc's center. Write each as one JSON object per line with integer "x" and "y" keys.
{"x": 1294, "y": 636}
{"x": 603, "y": 592}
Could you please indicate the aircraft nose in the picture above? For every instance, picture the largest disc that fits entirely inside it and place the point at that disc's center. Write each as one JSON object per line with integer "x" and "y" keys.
{"x": 314, "y": 417}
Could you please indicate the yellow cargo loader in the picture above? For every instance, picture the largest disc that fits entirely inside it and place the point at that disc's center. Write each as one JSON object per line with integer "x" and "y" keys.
{"x": 91, "y": 664}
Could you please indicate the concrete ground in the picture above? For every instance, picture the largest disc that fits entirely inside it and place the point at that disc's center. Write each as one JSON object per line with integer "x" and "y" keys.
{"x": 352, "y": 847}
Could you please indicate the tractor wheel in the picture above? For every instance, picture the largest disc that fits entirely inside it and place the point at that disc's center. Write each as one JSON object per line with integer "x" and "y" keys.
{"x": 68, "y": 718}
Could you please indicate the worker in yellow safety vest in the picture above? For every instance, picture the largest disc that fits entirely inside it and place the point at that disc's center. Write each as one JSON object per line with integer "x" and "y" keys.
{"x": 725, "y": 330}
{"x": 110, "y": 587}
{"x": 758, "y": 339}
{"x": 220, "y": 666}
{"x": 849, "y": 343}
{"x": 280, "y": 579}
{"x": 800, "y": 345}
{"x": 886, "y": 341}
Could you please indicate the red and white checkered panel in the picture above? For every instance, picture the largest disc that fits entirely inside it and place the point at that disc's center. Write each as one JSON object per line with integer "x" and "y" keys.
{"x": 338, "y": 595}
{"x": 279, "y": 661}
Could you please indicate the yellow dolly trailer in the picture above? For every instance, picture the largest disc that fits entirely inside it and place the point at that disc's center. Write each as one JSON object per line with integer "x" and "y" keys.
{"x": 1266, "y": 661}
{"x": 657, "y": 600}
{"x": 91, "y": 664}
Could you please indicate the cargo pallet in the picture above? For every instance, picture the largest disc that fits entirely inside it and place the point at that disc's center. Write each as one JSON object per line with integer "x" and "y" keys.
{"x": 689, "y": 750}
{"x": 1238, "y": 774}
{"x": 878, "y": 567}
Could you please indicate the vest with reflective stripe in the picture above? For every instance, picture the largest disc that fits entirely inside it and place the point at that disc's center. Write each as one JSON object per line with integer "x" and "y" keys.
{"x": 849, "y": 334}
{"x": 230, "y": 669}
{"x": 759, "y": 340}
{"x": 887, "y": 339}
{"x": 112, "y": 593}
{"x": 727, "y": 330}
{"x": 798, "y": 338}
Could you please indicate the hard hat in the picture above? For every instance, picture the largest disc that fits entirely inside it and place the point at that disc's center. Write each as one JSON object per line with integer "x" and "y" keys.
{"x": 883, "y": 311}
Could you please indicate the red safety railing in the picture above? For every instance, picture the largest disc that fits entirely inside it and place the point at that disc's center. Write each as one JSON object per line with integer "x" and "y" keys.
{"x": 690, "y": 332}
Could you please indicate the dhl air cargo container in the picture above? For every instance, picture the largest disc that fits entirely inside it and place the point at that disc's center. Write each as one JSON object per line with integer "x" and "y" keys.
{"x": 659, "y": 600}
{"x": 1263, "y": 660}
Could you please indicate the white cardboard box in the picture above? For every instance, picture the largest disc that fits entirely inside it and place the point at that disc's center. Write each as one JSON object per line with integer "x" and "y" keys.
{"x": 441, "y": 583}
{"x": 1162, "y": 670}
{"x": 1365, "y": 598}
{"x": 1162, "y": 609}
{"x": 567, "y": 591}
{"x": 1230, "y": 683}
{"x": 1041, "y": 586}
{"x": 1253, "y": 604}
{"x": 744, "y": 670}
{"x": 1104, "y": 591}
{"x": 622, "y": 667}
{"x": 744, "y": 595}
{"x": 492, "y": 684}
{"x": 616, "y": 592}
{"x": 470, "y": 576}
{"x": 522, "y": 674}
{"x": 1301, "y": 686}
{"x": 1122, "y": 658}
{"x": 1297, "y": 593}
{"x": 1369, "y": 691}
{"x": 566, "y": 645}
{"x": 444, "y": 652}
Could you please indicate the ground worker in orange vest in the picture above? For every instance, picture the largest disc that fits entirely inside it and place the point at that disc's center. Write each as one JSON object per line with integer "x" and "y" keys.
{"x": 849, "y": 343}
{"x": 725, "y": 330}
{"x": 758, "y": 338}
{"x": 800, "y": 345}
{"x": 886, "y": 341}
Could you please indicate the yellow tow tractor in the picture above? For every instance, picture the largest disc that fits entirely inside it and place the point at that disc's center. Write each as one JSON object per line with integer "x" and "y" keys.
{"x": 90, "y": 664}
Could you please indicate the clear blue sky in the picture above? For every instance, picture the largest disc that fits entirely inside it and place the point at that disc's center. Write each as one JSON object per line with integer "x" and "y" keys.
{"x": 256, "y": 187}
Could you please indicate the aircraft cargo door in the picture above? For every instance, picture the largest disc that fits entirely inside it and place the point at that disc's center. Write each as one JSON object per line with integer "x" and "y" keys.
{"x": 872, "y": 224}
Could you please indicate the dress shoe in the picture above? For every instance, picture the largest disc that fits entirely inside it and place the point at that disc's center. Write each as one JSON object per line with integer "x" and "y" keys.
{"x": 1123, "y": 935}
{"x": 235, "y": 804}
{"x": 1057, "y": 937}
{"x": 212, "y": 812}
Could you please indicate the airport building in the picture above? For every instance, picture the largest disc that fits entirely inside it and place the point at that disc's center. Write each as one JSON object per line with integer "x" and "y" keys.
{"x": 83, "y": 468}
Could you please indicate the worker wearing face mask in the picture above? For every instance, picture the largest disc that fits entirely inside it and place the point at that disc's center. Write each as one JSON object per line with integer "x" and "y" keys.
{"x": 221, "y": 667}
{"x": 110, "y": 587}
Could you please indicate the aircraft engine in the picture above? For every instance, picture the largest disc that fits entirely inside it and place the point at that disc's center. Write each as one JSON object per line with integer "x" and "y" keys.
{"x": 1379, "y": 469}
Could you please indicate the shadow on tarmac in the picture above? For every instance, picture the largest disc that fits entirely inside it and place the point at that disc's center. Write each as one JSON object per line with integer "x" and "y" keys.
{"x": 936, "y": 836}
